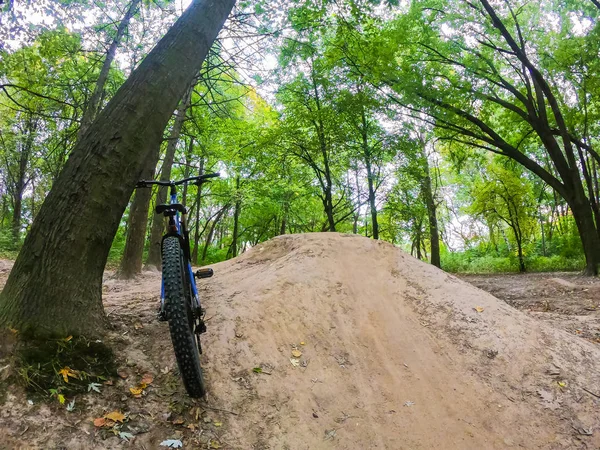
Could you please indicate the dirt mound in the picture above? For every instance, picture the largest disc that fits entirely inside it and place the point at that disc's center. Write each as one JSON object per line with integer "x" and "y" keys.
{"x": 323, "y": 341}
{"x": 396, "y": 354}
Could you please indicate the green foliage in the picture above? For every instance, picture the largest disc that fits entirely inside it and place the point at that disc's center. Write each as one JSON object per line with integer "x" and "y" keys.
{"x": 63, "y": 367}
{"x": 371, "y": 101}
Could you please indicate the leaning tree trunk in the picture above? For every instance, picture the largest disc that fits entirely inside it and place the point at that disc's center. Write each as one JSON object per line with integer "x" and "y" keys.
{"x": 131, "y": 262}
{"x": 93, "y": 106}
{"x": 154, "y": 253}
{"x": 55, "y": 287}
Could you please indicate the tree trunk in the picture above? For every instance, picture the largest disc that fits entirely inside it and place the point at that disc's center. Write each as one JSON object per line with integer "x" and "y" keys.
{"x": 211, "y": 232}
{"x": 328, "y": 206}
{"x": 186, "y": 172}
{"x": 236, "y": 219}
{"x": 20, "y": 180}
{"x": 371, "y": 185}
{"x": 197, "y": 229}
{"x": 434, "y": 235}
{"x": 154, "y": 252}
{"x": 93, "y": 105}
{"x": 584, "y": 219}
{"x": 55, "y": 286}
{"x": 131, "y": 262}
{"x": 372, "y": 204}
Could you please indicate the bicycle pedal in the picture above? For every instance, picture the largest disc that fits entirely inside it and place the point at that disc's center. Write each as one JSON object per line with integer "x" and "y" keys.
{"x": 204, "y": 273}
{"x": 201, "y": 328}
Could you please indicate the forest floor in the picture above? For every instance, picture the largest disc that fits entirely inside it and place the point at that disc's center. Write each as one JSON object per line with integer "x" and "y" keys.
{"x": 565, "y": 300}
{"x": 327, "y": 341}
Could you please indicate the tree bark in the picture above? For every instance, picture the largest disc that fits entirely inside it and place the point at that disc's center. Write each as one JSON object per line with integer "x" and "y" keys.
{"x": 55, "y": 286}
{"x": 236, "y": 219}
{"x": 157, "y": 230}
{"x": 197, "y": 228}
{"x": 370, "y": 177}
{"x": 434, "y": 235}
{"x": 131, "y": 262}
{"x": 211, "y": 232}
{"x": 20, "y": 178}
{"x": 93, "y": 105}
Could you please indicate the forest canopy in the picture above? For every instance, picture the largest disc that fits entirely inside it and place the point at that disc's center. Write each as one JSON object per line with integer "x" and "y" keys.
{"x": 465, "y": 132}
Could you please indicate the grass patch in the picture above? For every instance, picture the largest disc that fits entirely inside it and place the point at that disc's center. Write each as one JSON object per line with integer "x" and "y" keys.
{"x": 57, "y": 368}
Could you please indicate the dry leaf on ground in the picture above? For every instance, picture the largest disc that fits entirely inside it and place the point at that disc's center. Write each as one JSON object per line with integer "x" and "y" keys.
{"x": 115, "y": 416}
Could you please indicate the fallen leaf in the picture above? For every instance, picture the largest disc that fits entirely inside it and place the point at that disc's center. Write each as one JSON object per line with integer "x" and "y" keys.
{"x": 94, "y": 387}
{"x": 178, "y": 421}
{"x": 296, "y": 353}
{"x": 67, "y": 372}
{"x": 126, "y": 436}
{"x": 13, "y": 330}
{"x": 409, "y": 403}
{"x": 172, "y": 443}
{"x": 479, "y": 309}
{"x": 214, "y": 444}
{"x": 218, "y": 424}
{"x": 165, "y": 370}
{"x": 191, "y": 426}
{"x": 138, "y": 326}
{"x": 257, "y": 370}
{"x": 136, "y": 390}
{"x": 295, "y": 362}
{"x": 147, "y": 379}
{"x": 115, "y": 416}
{"x": 61, "y": 399}
{"x": 302, "y": 343}
{"x": 68, "y": 338}
{"x": 71, "y": 406}
{"x": 562, "y": 384}
{"x": 99, "y": 422}
{"x": 124, "y": 375}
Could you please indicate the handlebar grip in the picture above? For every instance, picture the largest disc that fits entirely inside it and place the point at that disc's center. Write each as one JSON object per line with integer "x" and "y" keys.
{"x": 211, "y": 175}
{"x": 141, "y": 184}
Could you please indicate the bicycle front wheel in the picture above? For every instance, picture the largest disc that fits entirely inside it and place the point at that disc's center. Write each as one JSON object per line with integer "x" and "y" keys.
{"x": 180, "y": 316}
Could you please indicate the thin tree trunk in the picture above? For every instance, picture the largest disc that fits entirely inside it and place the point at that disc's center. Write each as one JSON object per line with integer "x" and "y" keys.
{"x": 93, "y": 105}
{"x": 186, "y": 172}
{"x": 197, "y": 229}
{"x": 211, "y": 233}
{"x": 371, "y": 185}
{"x": 20, "y": 181}
{"x": 434, "y": 235}
{"x": 55, "y": 286}
{"x": 236, "y": 219}
{"x": 131, "y": 262}
{"x": 154, "y": 252}
{"x": 372, "y": 204}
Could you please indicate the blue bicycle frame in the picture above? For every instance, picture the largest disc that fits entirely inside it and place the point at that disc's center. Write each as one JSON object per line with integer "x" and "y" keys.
{"x": 190, "y": 273}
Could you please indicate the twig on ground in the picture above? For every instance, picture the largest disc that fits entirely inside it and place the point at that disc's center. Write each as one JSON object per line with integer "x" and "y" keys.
{"x": 221, "y": 410}
{"x": 591, "y": 393}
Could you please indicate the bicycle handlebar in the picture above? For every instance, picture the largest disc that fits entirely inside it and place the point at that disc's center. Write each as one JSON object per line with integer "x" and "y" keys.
{"x": 198, "y": 180}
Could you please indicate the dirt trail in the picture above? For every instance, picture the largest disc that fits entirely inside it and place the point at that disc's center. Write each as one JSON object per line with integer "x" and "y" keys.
{"x": 394, "y": 356}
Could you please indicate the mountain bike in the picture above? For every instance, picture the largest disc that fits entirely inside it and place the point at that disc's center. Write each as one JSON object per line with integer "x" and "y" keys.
{"x": 179, "y": 302}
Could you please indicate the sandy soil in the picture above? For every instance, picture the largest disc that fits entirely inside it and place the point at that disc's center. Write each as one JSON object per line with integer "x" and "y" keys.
{"x": 396, "y": 354}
